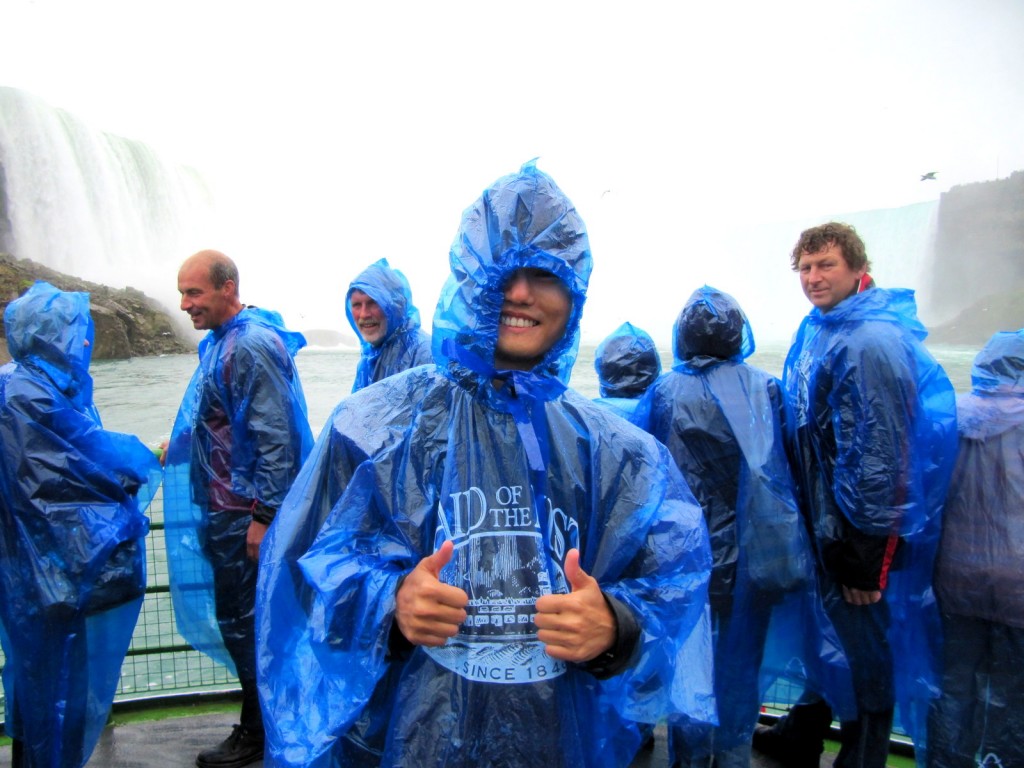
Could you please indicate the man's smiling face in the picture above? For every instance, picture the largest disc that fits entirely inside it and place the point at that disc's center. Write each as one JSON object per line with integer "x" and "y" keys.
{"x": 534, "y": 315}
{"x": 369, "y": 317}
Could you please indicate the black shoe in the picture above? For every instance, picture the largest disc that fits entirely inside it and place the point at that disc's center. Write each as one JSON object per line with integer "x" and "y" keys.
{"x": 768, "y": 740}
{"x": 242, "y": 747}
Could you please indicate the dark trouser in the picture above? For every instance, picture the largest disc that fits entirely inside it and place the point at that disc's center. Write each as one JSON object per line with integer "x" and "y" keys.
{"x": 234, "y": 584}
{"x": 980, "y": 712}
{"x": 863, "y": 632}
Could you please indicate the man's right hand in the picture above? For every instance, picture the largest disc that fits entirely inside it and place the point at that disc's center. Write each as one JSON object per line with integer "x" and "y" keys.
{"x": 428, "y": 611}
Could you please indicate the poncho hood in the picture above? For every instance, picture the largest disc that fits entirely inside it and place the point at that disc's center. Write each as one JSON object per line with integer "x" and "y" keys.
{"x": 293, "y": 340}
{"x": 711, "y": 325}
{"x": 626, "y": 362}
{"x": 47, "y": 329}
{"x": 999, "y": 367}
{"x": 893, "y": 305}
{"x": 996, "y": 401}
{"x": 522, "y": 220}
{"x": 390, "y": 289}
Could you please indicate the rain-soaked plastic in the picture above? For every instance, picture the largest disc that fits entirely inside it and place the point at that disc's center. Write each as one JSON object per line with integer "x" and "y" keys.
{"x": 515, "y": 476}
{"x": 72, "y": 532}
{"x": 979, "y": 573}
{"x": 239, "y": 439}
{"x": 723, "y": 422}
{"x": 627, "y": 363}
{"x": 873, "y": 428}
{"x": 405, "y": 345}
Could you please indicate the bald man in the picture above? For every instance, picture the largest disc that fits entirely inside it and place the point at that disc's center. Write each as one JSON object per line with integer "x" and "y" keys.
{"x": 239, "y": 440}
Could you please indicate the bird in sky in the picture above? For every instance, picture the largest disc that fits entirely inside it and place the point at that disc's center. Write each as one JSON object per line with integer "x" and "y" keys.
{"x": 930, "y": 176}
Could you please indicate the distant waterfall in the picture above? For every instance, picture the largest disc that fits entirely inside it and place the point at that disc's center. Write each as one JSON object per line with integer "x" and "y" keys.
{"x": 901, "y": 245}
{"x": 754, "y": 265}
{"x": 93, "y": 205}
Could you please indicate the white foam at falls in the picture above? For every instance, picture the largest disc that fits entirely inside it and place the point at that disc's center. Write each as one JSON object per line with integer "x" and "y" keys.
{"x": 93, "y": 205}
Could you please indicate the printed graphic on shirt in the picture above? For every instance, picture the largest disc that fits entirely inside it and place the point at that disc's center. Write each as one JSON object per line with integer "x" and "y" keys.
{"x": 506, "y": 556}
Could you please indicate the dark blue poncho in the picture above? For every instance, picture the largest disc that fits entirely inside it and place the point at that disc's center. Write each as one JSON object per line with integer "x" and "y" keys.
{"x": 515, "y": 477}
{"x": 723, "y": 422}
{"x": 240, "y": 436}
{"x": 72, "y": 532}
{"x": 873, "y": 430}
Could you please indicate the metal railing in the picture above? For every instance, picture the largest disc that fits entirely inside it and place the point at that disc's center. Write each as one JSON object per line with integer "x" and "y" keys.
{"x": 159, "y": 661}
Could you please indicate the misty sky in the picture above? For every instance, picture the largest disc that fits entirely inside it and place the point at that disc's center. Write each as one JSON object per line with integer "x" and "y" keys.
{"x": 333, "y": 134}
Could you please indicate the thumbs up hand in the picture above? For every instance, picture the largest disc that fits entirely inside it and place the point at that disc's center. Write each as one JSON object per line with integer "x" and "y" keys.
{"x": 427, "y": 610}
{"x": 579, "y": 626}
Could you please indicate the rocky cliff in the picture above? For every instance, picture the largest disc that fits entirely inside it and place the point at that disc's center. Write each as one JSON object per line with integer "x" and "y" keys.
{"x": 128, "y": 323}
{"x": 978, "y": 266}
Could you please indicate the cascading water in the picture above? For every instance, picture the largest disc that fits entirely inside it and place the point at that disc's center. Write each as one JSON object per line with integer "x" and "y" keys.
{"x": 900, "y": 244}
{"x": 94, "y": 205}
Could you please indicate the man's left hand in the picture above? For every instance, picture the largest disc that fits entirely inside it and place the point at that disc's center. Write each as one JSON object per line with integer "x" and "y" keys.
{"x": 579, "y": 626}
{"x": 254, "y": 538}
{"x": 861, "y": 596}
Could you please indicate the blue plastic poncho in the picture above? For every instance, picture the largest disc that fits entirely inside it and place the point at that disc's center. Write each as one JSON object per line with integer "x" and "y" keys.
{"x": 627, "y": 363}
{"x": 873, "y": 430}
{"x": 515, "y": 479}
{"x": 72, "y": 532}
{"x": 723, "y": 421}
{"x": 405, "y": 345}
{"x": 979, "y": 573}
{"x": 980, "y": 568}
{"x": 238, "y": 441}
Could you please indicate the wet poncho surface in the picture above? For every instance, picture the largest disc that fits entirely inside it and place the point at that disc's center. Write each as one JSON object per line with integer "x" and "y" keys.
{"x": 723, "y": 420}
{"x": 979, "y": 574}
{"x": 515, "y": 476}
{"x": 405, "y": 345}
{"x": 72, "y": 533}
{"x": 873, "y": 430}
{"x": 238, "y": 441}
{"x": 980, "y": 570}
{"x": 626, "y": 363}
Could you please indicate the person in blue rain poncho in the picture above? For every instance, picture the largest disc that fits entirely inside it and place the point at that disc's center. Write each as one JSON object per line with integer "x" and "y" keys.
{"x": 872, "y": 431}
{"x": 72, "y": 534}
{"x": 239, "y": 439}
{"x": 979, "y": 573}
{"x": 380, "y": 309}
{"x": 627, "y": 363}
{"x": 468, "y": 571}
{"x": 723, "y": 422}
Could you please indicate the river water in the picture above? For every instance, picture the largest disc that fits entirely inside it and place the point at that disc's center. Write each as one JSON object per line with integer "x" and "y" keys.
{"x": 141, "y": 396}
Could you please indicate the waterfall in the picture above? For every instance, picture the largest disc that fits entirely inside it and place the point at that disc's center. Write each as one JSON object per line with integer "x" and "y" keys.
{"x": 93, "y": 205}
{"x": 754, "y": 265}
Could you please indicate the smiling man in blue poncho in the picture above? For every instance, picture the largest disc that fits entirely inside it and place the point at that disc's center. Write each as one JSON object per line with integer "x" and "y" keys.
{"x": 872, "y": 430}
{"x": 380, "y": 309}
{"x": 468, "y": 571}
{"x": 72, "y": 534}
